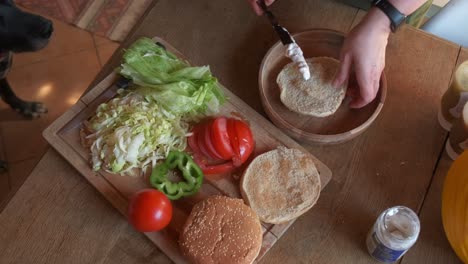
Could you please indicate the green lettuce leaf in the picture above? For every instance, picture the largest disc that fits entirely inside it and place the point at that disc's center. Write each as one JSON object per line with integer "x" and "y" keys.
{"x": 171, "y": 82}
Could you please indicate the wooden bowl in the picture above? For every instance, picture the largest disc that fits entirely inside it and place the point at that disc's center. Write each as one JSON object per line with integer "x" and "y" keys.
{"x": 342, "y": 126}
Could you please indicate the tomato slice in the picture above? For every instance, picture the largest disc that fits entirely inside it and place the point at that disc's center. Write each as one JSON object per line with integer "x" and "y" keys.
{"x": 220, "y": 138}
{"x": 244, "y": 139}
{"x": 201, "y": 143}
{"x": 218, "y": 169}
{"x": 222, "y": 144}
{"x": 193, "y": 140}
{"x": 209, "y": 143}
{"x": 231, "y": 128}
{"x": 213, "y": 169}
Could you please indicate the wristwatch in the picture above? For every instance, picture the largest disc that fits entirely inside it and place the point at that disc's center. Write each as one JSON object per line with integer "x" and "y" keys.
{"x": 396, "y": 17}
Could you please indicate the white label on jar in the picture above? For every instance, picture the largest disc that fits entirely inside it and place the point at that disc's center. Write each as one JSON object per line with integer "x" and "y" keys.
{"x": 380, "y": 252}
{"x": 457, "y": 110}
{"x": 464, "y": 144}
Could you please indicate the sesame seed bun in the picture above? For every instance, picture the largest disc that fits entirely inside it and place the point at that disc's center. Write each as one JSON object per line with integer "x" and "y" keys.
{"x": 221, "y": 230}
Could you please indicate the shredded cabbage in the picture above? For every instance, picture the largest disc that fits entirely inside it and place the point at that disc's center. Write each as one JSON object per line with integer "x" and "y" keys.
{"x": 129, "y": 132}
{"x": 143, "y": 124}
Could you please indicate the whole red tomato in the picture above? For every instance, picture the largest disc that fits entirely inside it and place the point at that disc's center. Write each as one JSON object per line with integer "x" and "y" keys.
{"x": 149, "y": 210}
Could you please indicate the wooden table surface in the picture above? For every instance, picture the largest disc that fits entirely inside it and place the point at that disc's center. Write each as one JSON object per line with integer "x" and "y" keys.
{"x": 57, "y": 217}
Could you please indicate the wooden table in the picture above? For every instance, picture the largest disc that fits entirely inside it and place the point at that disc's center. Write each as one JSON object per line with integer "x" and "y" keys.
{"x": 57, "y": 217}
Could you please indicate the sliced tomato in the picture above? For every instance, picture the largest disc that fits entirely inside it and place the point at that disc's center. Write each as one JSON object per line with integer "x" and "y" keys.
{"x": 207, "y": 132}
{"x": 193, "y": 140}
{"x": 201, "y": 142}
{"x": 222, "y": 144}
{"x": 231, "y": 128}
{"x": 213, "y": 169}
{"x": 218, "y": 169}
{"x": 244, "y": 139}
{"x": 220, "y": 138}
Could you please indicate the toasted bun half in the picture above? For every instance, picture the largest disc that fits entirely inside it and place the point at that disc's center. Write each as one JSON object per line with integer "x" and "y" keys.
{"x": 221, "y": 230}
{"x": 281, "y": 185}
{"x": 316, "y": 96}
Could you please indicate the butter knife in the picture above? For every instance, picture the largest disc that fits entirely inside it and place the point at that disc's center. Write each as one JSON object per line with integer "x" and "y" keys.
{"x": 293, "y": 51}
{"x": 283, "y": 33}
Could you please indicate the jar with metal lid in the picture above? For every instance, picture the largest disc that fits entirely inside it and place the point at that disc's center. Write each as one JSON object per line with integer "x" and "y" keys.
{"x": 454, "y": 98}
{"x": 458, "y": 138}
{"x": 393, "y": 234}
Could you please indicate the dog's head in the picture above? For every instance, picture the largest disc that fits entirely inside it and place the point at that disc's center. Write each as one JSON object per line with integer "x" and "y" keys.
{"x": 21, "y": 31}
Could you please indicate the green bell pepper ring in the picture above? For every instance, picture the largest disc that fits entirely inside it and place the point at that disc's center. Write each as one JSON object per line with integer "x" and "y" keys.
{"x": 192, "y": 174}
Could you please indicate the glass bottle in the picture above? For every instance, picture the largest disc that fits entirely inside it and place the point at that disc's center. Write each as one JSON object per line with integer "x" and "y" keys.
{"x": 458, "y": 138}
{"x": 454, "y": 98}
{"x": 393, "y": 234}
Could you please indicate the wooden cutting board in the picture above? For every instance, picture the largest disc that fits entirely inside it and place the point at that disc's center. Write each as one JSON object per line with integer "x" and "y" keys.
{"x": 64, "y": 136}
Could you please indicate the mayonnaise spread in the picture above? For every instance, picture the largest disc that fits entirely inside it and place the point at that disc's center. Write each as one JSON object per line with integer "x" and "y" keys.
{"x": 295, "y": 54}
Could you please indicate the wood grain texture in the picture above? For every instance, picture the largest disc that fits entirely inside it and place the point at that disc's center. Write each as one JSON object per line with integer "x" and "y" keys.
{"x": 71, "y": 218}
{"x": 433, "y": 246}
{"x": 64, "y": 136}
{"x": 390, "y": 164}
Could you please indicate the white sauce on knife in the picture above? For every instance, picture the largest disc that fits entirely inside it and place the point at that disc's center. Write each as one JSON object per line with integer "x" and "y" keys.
{"x": 295, "y": 54}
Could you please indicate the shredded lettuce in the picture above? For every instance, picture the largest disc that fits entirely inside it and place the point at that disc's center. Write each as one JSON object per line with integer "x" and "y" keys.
{"x": 129, "y": 132}
{"x": 144, "y": 123}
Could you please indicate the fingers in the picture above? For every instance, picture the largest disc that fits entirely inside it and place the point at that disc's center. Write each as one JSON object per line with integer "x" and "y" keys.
{"x": 376, "y": 86}
{"x": 257, "y": 8}
{"x": 366, "y": 86}
{"x": 343, "y": 72}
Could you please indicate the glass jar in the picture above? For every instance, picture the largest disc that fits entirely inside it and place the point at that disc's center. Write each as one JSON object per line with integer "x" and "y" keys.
{"x": 393, "y": 234}
{"x": 454, "y": 98}
{"x": 458, "y": 138}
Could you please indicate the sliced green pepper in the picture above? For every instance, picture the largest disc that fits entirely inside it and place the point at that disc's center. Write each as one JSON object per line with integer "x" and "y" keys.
{"x": 191, "y": 173}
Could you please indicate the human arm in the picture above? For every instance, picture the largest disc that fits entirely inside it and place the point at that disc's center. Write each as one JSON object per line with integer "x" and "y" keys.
{"x": 363, "y": 52}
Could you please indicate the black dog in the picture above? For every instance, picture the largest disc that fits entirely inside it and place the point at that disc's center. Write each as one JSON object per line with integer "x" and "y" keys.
{"x": 20, "y": 32}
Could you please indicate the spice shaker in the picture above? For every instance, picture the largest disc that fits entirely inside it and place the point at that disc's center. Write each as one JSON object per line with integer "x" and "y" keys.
{"x": 393, "y": 234}
{"x": 454, "y": 98}
{"x": 458, "y": 138}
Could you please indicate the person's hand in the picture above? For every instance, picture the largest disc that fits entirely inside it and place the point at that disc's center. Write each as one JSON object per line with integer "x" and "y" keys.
{"x": 363, "y": 54}
{"x": 257, "y": 8}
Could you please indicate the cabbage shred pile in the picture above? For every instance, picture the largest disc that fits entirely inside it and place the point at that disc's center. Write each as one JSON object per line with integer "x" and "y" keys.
{"x": 144, "y": 123}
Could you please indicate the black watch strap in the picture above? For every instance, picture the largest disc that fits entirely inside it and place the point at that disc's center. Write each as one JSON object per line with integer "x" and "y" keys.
{"x": 396, "y": 17}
